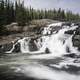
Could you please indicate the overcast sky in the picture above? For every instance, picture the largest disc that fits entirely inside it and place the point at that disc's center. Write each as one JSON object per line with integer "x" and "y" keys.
{"x": 73, "y": 5}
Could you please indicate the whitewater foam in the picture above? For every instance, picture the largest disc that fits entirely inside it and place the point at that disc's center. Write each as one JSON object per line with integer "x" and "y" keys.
{"x": 42, "y": 72}
{"x": 55, "y": 42}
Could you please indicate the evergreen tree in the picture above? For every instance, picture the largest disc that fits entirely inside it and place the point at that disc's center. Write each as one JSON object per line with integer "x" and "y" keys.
{"x": 20, "y": 14}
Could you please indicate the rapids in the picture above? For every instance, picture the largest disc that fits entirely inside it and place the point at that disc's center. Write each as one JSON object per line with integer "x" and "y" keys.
{"x": 51, "y": 56}
{"x": 53, "y": 39}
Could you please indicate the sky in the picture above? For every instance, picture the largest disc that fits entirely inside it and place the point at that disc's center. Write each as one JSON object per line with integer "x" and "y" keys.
{"x": 73, "y": 5}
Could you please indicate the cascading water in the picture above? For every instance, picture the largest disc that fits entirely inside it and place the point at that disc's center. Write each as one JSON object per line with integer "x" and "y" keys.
{"x": 56, "y": 41}
{"x": 52, "y": 55}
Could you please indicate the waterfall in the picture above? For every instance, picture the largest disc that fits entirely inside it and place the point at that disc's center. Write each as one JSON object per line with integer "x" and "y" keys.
{"x": 50, "y": 56}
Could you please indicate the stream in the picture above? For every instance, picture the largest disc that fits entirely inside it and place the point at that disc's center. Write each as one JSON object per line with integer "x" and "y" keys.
{"x": 49, "y": 57}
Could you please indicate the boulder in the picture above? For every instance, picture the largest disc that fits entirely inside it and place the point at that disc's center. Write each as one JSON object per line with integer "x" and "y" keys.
{"x": 47, "y": 51}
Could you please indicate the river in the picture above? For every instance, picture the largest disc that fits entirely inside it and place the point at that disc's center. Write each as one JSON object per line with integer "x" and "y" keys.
{"x": 49, "y": 57}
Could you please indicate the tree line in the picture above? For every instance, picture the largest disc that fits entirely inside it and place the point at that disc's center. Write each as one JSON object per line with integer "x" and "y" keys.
{"x": 17, "y": 12}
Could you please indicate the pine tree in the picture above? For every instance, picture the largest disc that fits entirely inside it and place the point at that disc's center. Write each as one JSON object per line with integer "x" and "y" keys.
{"x": 20, "y": 14}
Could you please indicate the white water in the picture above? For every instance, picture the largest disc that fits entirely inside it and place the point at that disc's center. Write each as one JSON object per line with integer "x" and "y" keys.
{"x": 56, "y": 42}
{"x": 43, "y": 72}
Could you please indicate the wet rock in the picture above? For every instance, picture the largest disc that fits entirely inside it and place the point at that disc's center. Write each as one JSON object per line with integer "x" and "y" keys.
{"x": 39, "y": 30}
{"x": 76, "y": 41}
{"x": 66, "y": 24}
{"x": 69, "y": 32}
{"x": 6, "y": 47}
{"x": 77, "y": 24}
{"x": 72, "y": 55}
{"x": 47, "y": 51}
{"x": 76, "y": 38}
{"x": 32, "y": 45}
{"x": 77, "y": 32}
{"x": 71, "y": 69}
{"x": 17, "y": 48}
{"x": 67, "y": 49}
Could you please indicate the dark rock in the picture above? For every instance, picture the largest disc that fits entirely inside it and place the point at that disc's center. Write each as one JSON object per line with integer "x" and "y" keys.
{"x": 67, "y": 49}
{"x": 76, "y": 41}
{"x": 17, "y": 48}
{"x": 41, "y": 40}
{"x": 39, "y": 31}
{"x": 47, "y": 50}
{"x": 72, "y": 55}
{"x": 77, "y": 32}
{"x": 71, "y": 69}
{"x": 66, "y": 24}
{"x": 69, "y": 32}
{"x": 6, "y": 47}
{"x": 76, "y": 38}
{"x": 32, "y": 45}
{"x": 77, "y": 24}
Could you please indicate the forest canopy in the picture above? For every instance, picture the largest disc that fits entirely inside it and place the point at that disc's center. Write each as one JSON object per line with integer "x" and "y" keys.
{"x": 17, "y": 12}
